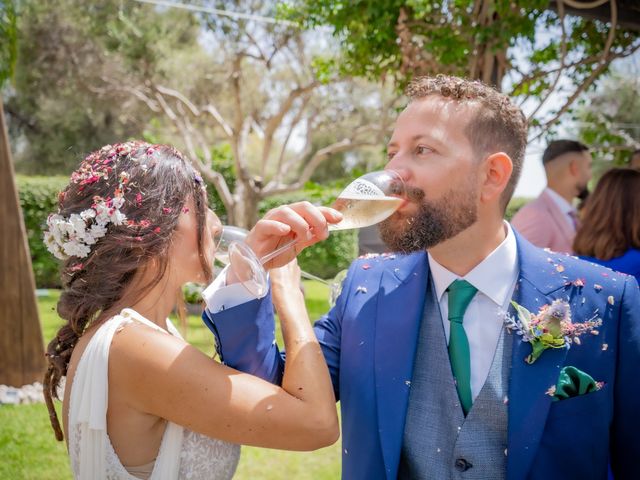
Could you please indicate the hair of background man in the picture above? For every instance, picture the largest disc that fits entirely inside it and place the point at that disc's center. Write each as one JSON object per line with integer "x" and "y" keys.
{"x": 558, "y": 148}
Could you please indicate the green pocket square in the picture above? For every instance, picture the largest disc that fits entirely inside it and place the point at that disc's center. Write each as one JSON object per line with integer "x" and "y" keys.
{"x": 573, "y": 382}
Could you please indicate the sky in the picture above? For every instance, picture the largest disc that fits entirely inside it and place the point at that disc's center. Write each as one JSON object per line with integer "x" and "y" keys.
{"x": 532, "y": 180}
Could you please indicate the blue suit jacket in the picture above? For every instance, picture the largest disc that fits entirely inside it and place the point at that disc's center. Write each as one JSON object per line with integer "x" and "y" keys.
{"x": 369, "y": 342}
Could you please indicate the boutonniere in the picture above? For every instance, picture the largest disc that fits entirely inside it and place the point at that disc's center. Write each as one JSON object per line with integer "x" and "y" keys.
{"x": 551, "y": 327}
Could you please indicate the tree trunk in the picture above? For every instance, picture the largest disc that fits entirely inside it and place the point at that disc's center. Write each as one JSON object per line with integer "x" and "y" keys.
{"x": 245, "y": 208}
{"x": 21, "y": 345}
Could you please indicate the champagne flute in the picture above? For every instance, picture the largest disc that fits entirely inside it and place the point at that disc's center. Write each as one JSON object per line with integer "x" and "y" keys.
{"x": 229, "y": 234}
{"x": 366, "y": 201}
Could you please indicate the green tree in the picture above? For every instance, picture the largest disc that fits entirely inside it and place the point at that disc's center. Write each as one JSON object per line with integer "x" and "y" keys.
{"x": 69, "y": 55}
{"x": 525, "y": 48}
{"x": 262, "y": 92}
{"x": 265, "y": 90}
{"x": 8, "y": 38}
{"x": 609, "y": 121}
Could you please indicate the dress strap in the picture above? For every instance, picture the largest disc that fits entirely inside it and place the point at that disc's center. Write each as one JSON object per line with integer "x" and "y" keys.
{"x": 130, "y": 313}
{"x": 88, "y": 401}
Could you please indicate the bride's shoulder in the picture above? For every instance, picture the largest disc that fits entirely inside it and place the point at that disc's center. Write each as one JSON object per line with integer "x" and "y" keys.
{"x": 141, "y": 346}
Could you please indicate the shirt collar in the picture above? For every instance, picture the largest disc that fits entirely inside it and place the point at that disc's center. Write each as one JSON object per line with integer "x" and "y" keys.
{"x": 563, "y": 205}
{"x": 494, "y": 276}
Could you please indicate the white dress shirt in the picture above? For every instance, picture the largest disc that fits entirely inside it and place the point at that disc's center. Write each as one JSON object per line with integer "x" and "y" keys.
{"x": 569, "y": 212}
{"x": 220, "y": 296}
{"x": 495, "y": 278}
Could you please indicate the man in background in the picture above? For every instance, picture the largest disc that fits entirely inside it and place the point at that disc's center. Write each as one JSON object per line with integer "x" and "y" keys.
{"x": 551, "y": 220}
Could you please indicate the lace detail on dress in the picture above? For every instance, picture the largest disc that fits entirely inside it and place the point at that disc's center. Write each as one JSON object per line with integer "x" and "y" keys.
{"x": 74, "y": 449}
{"x": 204, "y": 458}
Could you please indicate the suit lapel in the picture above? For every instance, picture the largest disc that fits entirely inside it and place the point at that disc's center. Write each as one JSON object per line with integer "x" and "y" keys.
{"x": 399, "y": 310}
{"x": 528, "y": 401}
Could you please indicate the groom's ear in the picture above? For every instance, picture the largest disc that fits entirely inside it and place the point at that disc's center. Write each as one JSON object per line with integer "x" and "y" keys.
{"x": 495, "y": 172}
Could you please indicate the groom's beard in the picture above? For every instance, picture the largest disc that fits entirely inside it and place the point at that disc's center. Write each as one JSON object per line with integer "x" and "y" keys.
{"x": 435, "y": 221}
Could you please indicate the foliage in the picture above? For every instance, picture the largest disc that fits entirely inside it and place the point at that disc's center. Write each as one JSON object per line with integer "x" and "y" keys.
{"x": 336, "y": 253}
{"x": 8, "y": 39}
{"x": 68, "y": 51}
{"x": 610, "y": 121}
{"x": 191, "y": 293}
{"x": 39, "y": 198}
{"x": 521, "y": 46}
{"x": 514, "y": 205}
{"x": 221, "y": 162}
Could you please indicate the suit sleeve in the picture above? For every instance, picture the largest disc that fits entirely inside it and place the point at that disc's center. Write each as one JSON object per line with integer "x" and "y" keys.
{"x": 533, "y": 225}
{"x": 625, "y": 447}
{"x": 245, "y": 337}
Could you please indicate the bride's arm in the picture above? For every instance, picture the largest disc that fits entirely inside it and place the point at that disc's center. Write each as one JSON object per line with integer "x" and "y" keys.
{"x": 161, "y": 375}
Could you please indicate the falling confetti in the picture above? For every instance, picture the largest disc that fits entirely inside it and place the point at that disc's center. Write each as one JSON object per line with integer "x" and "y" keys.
{"x": 610, "y": 299}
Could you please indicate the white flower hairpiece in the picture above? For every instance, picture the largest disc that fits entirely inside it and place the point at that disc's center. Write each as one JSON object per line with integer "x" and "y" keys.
{"x": 73, "y": 236}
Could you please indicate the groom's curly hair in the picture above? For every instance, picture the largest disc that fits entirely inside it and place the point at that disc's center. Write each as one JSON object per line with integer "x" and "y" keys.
{"x": 159, "y": 182}
{"x": 498, "y": 125}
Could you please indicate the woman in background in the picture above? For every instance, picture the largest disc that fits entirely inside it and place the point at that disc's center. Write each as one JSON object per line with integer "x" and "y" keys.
{"x": 610, "y": 231}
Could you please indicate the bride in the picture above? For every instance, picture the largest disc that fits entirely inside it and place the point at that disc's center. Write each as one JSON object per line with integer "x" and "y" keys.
{"x": 132, "y": 227}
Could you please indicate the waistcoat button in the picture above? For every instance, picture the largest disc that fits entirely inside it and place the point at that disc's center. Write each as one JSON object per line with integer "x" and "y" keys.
{"x": 462, "y": 465}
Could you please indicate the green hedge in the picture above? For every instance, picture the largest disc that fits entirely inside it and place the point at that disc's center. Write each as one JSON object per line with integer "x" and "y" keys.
{"x": 39, "y": 198}
{"x": 514, "y": 205}
{"x": 326, "y": 258}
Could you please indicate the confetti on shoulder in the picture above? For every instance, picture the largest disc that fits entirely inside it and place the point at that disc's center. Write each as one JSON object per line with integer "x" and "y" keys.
{"x": 368, "y": 256}
{"x": 361, "y": 289}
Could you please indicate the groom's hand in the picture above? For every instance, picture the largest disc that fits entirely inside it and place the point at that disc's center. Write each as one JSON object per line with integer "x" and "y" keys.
{"x": 302, "y": 221}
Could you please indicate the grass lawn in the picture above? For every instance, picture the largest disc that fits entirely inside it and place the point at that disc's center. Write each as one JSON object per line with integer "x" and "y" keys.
{"x": 28, "y": 448}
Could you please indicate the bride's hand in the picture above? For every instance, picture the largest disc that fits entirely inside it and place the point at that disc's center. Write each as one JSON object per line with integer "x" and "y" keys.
{"x": 302, "y": 221}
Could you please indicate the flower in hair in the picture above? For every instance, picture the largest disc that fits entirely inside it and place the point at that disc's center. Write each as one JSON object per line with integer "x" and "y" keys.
{"x": 73, "y": 236}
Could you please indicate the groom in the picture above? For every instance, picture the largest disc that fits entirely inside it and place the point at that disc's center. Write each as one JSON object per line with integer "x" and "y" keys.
{"x": 431, "y": 384}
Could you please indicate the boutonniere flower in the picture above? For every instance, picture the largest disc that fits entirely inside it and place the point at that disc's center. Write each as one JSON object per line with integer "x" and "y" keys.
{"x": 551, "y": 327}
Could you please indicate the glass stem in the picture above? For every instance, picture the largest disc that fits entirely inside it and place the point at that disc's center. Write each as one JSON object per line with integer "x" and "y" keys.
{"x": 270, "y": 256}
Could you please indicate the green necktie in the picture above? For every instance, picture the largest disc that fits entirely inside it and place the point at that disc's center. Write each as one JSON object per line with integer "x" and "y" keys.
{"x": 460, "y": 294}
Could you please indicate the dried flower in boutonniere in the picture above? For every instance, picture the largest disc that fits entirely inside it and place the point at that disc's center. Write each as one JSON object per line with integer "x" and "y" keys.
{"x": 550, "y": 328}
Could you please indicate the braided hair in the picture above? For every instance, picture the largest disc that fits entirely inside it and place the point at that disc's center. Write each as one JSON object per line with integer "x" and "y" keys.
{"x": 130, "y": 197}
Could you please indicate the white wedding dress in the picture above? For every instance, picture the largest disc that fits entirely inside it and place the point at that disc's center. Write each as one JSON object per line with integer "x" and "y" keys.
{"x": 183, "y": 454}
